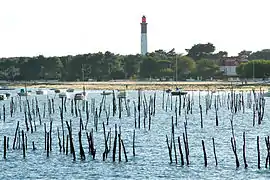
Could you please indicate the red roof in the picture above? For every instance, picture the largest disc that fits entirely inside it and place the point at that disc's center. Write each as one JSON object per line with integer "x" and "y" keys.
{"x": 232, "y": 61}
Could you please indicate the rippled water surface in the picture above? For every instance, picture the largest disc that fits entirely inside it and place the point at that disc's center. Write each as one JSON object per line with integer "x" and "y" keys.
{"x": 152, "y": 158}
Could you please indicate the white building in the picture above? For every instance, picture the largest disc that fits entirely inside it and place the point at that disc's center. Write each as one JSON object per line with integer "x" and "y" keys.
{"x": 229, "y": 64}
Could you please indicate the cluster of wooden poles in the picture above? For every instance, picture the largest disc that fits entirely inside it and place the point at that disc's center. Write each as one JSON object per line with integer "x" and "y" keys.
{"x": 234, "y": 102}
{"x": 31, "y": 110}
{"x": 143, "y": 108}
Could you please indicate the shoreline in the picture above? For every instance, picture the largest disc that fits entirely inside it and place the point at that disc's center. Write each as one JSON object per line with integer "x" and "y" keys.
{"x": 145, "y": 85}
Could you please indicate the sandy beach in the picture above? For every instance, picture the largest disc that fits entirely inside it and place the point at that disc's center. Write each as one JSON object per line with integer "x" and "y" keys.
{"x": 146, "y": 85}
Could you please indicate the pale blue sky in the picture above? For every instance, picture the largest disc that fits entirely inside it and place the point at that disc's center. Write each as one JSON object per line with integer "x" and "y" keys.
{"x": 62, "y": 27}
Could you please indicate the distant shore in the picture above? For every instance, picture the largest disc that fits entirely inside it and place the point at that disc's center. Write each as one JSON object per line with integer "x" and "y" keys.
{"x": 145, "y": 85}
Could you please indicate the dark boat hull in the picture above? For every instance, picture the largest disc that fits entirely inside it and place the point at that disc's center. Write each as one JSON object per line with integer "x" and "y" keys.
{"x": 177, "y": 93}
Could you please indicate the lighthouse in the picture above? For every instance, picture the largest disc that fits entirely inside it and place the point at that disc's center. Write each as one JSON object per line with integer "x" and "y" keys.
{"x": 143, "y": 36}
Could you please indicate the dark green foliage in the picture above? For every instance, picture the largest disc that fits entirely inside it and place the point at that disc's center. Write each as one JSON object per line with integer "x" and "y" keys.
{"x": 109, "y": 66}
{"x": 199, "y": 51}
{"x": 207, "y": 69}
{"x": 258, "y": 68}
{"x": 263, "y": 54}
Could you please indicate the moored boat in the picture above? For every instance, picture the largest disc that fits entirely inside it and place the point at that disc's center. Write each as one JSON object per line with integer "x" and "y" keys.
{"x": 168, "y": 90}
{"x": 62, "y": 95}
{"x": 23, "y": 93}
{"x": 104, "y": 93}
{"x": 70, "y": 90}
{"x": 178, "y": 92}
{"x": 41, "y": 92}
{"x": 79, "y": 96}
{"x": 57, "y": 91}
{"x": 7, "y": 95}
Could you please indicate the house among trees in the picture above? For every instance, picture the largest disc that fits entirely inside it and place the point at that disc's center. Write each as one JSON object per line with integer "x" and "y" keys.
{"x": 228, "y": 65}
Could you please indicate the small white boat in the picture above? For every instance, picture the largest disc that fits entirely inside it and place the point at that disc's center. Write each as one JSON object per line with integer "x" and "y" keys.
{"x": 79, "y": 96}
{"x": 41, "y": 92}
{"x": 70, "y": 90}
{"x": 122, "y": 94}
{"x": 3, "y": 97}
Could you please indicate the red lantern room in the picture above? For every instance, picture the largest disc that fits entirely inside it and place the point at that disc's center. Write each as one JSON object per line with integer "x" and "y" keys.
{"x": 143, "y": 19}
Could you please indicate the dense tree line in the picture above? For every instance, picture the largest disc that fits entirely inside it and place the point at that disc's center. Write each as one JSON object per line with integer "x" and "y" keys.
{"x": 254, "y": 68}
{"x": 200, "y": 60}
{"x": 258, "y": 65}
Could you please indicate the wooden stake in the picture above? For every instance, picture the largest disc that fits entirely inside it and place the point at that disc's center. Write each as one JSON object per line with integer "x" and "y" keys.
{"x": 5, "y": 147}
{"x": 244, "y": 149}
{"x": 204, "y": 154}
{"x": 23, "y": 145}
{"x": 214, "y": 148}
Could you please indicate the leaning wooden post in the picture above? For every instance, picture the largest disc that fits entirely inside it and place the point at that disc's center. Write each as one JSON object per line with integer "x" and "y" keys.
{"x": 119, "y": 144}
{"x": 14, "y": 142}
{"x": 18, "y": 146}
{"x": 72, "y": 150}
{"x": 124, "y": 149}
{"x": 186, "y": 140}
{"x": 181, "y": 152}
{"x": 186, "y": 148}
{"x": 169, "y": 148}
{"x": 81, "y": 147}
{"x": 214, "y": 148}
{"x": 59, "y": 140}
{"x": 268, "y": 150}
{"x": 216, "y": 109}
{"x": 25, "y": 141}
{"x": 104, "y": 133}
{"x": 233, "y": 142}
{"x": 204, "y": 154}
{"x": 267, "y": 147}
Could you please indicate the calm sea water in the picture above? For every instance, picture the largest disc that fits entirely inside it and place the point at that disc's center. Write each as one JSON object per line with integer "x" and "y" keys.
{"x": 152, "y": 157}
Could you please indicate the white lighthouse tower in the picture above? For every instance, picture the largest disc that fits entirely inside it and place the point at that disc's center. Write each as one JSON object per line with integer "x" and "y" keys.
{"x": 143, "y": 36}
